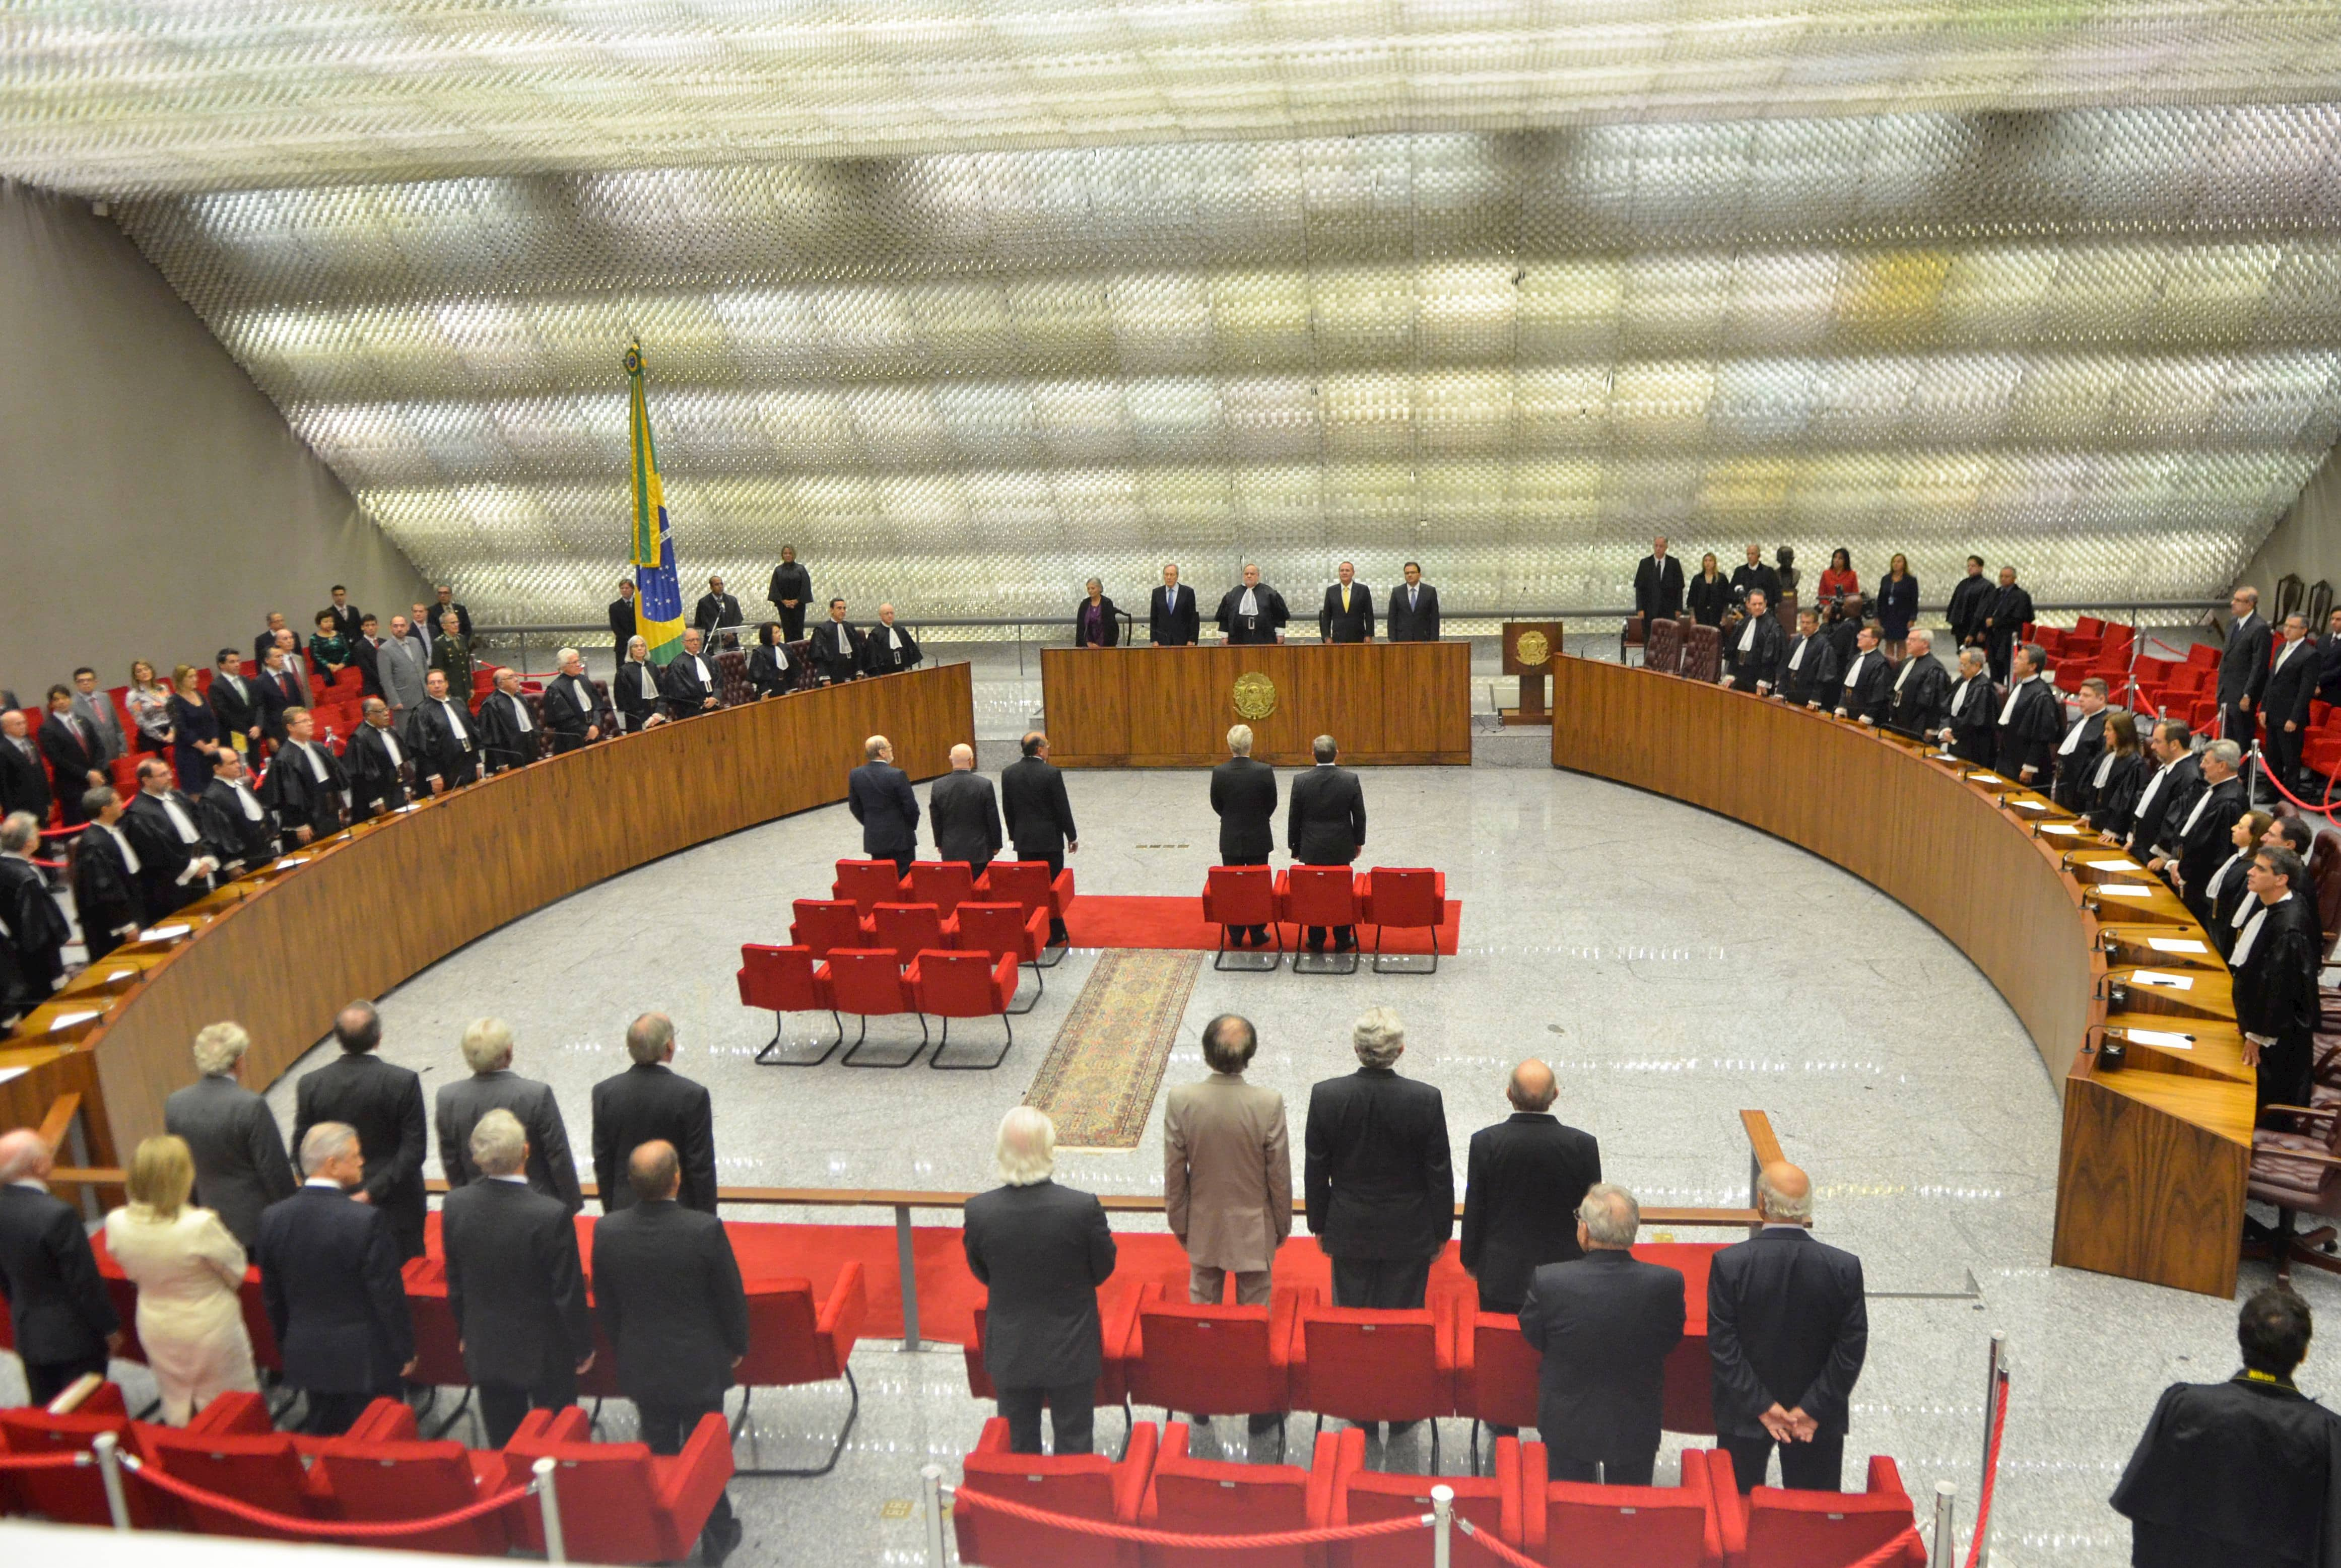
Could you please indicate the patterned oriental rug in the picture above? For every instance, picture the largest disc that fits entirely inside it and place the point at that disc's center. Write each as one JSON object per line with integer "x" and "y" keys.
{"x": 1100, "y": 1079}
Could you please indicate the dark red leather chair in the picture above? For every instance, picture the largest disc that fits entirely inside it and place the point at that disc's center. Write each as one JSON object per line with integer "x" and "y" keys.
{"x": 784, "y": 980}
{"x": 823, "y": 923}
{"x": 1320, "y": 896}
{"x": 1578, "y": 1524}
{"x": 867, "y": 883}
{"x": 1770, "y": 1528}
{"x": 869, "y": 984}
{"x": 619, "y": 1502}
{"x": 1409, "y": 898}
{"x": 1243, "y": 896}
{"x": 945, "y": 884}
{"x": 794, "y": 1339}
{"x": 1007, "y": 930}
{"x": 963, "y": 986}
{"x": 910, "y": 930}
{"x": 1213, "y": 1497}
{"x": 1078, "y": 1485}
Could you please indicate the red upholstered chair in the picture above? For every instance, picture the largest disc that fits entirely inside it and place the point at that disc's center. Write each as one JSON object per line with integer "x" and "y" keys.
{"x": 1578, "y": 1525}
{"x": 1409, "y": 898}
{"x": 867, "y": 883}
{"x": 387, "y": 1481}
{"x": 619, "y": 1502}
{"x": 1117, "y": 1318}
{"x": 1243, "y": 896}
{"x": 945, "y": 884}
{"x": 784, "y": 980}
{"x": 869, "y": 984}
{"x": 263, "y": 1469}
{"x": 1213, "y": 1497}
{"x": 1008, "y": 930}
{"x": 1215, "y": 1360}
{"x": 1496, "y": 1370}
{"x": 1363, "y": 1496}
{"x": 77, "y": 1496}
{"x": 1320, "y": 896}
{"x": 823, "y": 923}
{"x": 1771, "y": 1528}
{"x": 1358, "y": 1365}
{"x": 910, "y": 930}
{"x": 1080, "y": 1486}
{"x": 794, "y": 1338}
{"x": 963, "y": 986}
{"x": 1027, "y": 882}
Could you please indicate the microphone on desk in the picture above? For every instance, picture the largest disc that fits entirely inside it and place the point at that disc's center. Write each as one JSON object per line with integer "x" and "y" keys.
{"x": 2112, "y": 1053}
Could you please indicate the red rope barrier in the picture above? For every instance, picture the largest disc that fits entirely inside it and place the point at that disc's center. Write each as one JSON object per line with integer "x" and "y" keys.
{"x": 961, "y": 1497}
{"x": 321, "y": 1529}
{"x": 1494, "y": 1546}
{"x": 70, "y": 1461}
{"x": 1990, "y": 1479}
{"x": 2269, "y": 773}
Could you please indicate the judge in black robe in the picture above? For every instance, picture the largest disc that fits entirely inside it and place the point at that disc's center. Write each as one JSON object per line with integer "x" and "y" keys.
{"x": 1808, "y": 667}
{"x": 789, "y": 591}
{"x": 688, "y": 681}
{"x": 634, "y": 690}
{"x": 1346, "y": 615}
{"x": 304, "y": 783}
{"x": 770, "y": 671}
{"x": 624, "y": 627}
{"x": 1971, "y": 712}
{"x": 888, "y": 649}
{"x": 1414, "y": 608}
{"x": 174, "y": 862}
{"x": 105, "y": 868}
{"x": 2004, "y": 617}
{"x": 2230, "y": 883}
{"x": 2196, "y": 843}
{"x": 41, "y": 931}
{"x": 446, "y": 740}
{"x": 2079, "y": 747}
{"x": 510, "y": 735}
{"x": 836, "y": 647}
{"x": 2168, "y": 788}
{"x": 2113, "y": 783}
{"x": 1658, "y": 585}
{"x": 1252, "y": 612}
{"x": 1868, "y": 681}
{"x": 1968, "y": 598}
{"x": 2275, "y": 963}
{"x": 1921, "y": 691}
{"x": 2030, "y": 722}
{"x": 381, "y": 770}
{"x": 1752, "y": 653}
{"x": 1171, "y": 618}
{"x": 236, "y": 819}
{"x": 571, "y": 709}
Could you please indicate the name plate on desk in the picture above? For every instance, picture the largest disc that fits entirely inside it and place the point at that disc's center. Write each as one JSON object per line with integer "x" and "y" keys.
{"x": 2029, "y": 805}
{"x": 2163, "y": 1037}
{"x": 165, "y": 933}
{"x": 2157, "y": 977}
{"x": 1987, "y": 779}
{"x": 2176, "y": 944}
{"x": 2116, "y": 865}
{"x": 2062, "y": 830}
{"x": 2109, "y": 890}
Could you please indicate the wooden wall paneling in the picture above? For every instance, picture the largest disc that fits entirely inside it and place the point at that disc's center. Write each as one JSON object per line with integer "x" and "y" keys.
{"x": 1089, "y": 710}
{"x": 2146, "y": 1194}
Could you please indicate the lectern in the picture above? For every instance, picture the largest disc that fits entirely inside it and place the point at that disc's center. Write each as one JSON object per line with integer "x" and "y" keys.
{"x": 1528, "y": 647}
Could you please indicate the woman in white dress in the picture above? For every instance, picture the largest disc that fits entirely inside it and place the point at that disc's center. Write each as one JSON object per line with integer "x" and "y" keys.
{"x": 188, "y": 1270}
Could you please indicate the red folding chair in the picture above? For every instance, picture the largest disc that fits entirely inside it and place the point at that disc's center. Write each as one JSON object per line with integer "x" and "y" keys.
{"x": 1320, "y": 896}
{"x": 1243, "y": 896}
{"x": 784, "y": 980}
{"x": 963, "y": 986}
{"x": 945, "y": 884}
{"x": 1409, "y": 898}
{"x": 1077, "y": 1485}
{"x": 824, "y": 924}
{"x": 1010, "y": 930}
{"x": 910, "y": 930}
{"x": 869, "y": 984}
{"x": 867, "y": 883}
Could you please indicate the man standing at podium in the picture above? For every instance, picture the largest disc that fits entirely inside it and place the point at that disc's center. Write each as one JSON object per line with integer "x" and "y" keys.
{"x": 1253, "y": 614}
{"x": 1413, "y": 608}
{"x": 1658, "y": 585}
{"x": 1171, "y": 620}
{"x": 1348, "y": 613}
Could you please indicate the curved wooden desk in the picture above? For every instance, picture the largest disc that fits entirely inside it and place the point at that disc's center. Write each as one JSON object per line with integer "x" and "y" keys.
{"x": 2151, "y": 1172}
{"x": 281, "y": 952}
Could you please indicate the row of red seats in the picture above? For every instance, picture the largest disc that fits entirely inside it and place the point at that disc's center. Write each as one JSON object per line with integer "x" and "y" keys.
{"x": 619, "y": 1503}
{"x": 1702, "y": 1522}
{"x": 1387, "y": 897}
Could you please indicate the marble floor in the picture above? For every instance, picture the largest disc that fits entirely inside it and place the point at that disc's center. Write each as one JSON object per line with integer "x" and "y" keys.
{"x": 1673, "y": 967}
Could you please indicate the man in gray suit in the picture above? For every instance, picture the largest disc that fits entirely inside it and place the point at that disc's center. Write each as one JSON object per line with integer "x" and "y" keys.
{"x": 240, "y": 1166}
{"x": 964, "y": 813}
{"x": 495, "y": 1086}
{"x": 95, "y": 708}
{"x": 400, "y": 665}
{"x": 1043, "y": 1250}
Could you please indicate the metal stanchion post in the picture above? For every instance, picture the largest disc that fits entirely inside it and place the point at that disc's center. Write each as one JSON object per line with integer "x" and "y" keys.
{"x": 930, "y": 1488}
{"x": 906, "y": 1264}
{"x": 109, "y": 1470}
{"x": 1946, "y": 1498}
{"x": 548, "y": 1505}
{"x": 1442, "y": 1526}
{"x": 1997, "y": 1370}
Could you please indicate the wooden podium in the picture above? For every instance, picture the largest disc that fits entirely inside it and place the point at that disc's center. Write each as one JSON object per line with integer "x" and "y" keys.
{"x": 1528, "y": 647}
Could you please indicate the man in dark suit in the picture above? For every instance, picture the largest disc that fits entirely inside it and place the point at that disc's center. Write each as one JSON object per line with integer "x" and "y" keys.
{"x": 1326, "y": 826}
{"x": 1039, "y": 815}
{"x": 508, "y": 732}
{"x": 1921, "y": 692}
{"x": 2285, "y": 699}
{"x": 1243, "y": 798}
{"x": 649, "y": 1102}
{"x": 1746, "y": 580}
{"x": 379, "y": 766}
{"x": 789, "y": 591}
{"x": 1752, "y": 655}
{"x": 879, "y": 795}
{"x": 1413, "y": 608}
{"x": 1658, "y": 585}
{"x": 2083, "y": 745}
{"x": 446, "y": 739}
{"x": 66, "y": 1325}
{"x": 964, "y": 813}
{"x": 1042, "y": 1250}
{"x": 688, "y": 683}
{"x": 1864, "y": 690}
{"x": 236, "y": 703}
{"x": 624, "y": 627}
{"x": 98, "y": 716}
{"x": 1171, "y": 620}
{"x": 572, "y": 708}
{"x": 1379, "y": 1182}
{"x": 329, "y": 1271}
{"x": 2274, "y": 961}
{"x": 2241, "y": 1473}
{"x": 105, "y": 868}
{"x": 888, "y": 649}
{"x": 38, "y": 929}
{"x": 174, "y": 862}
{"x": 2031, "y": 721}
{"x": 2193, "y": 846}
{"x": 2005, "y": 615}
{"x": 267, "y": 638}
{"x": 1525, "y": 1175}
{"x": 385, "y": 1105}
{"x": 1252, "y": 612}
{"x": 836, "y": 646}
{"x": 236, "y": 819}
{"x": 1605, "y": 1324}
{"x": 365, "y": 653}
{"x": 23, "y": 779}
{"x": 495, "y": 1086}
{"x": 347, "y": 617}
{"x": 444, "y": 606}
{"x": 513, "y": 1282}
{"x": 1969, "y": 604}
{"x": 718, "y": 609}
{"x": 241, "y": 1166}
{"x": 2242, "y": 667}
{"x": 71, "y": 747}
{"x": 280, "y": 691}
{"x": 2169, "y": 790}
{"x": 666, "y": 1286}
{"x": 1786, "y": 1330}
{"x": 1348, "y": 613}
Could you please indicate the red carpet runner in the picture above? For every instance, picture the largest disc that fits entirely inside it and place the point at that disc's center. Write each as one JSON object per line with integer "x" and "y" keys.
{"x": 1104, "y": 921}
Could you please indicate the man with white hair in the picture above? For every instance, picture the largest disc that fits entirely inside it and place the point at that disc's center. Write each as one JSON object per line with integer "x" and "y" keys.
{"x": 380, "y": 767}
{"x": 1380, "y": 1186}
{"x": 963, "y": 812}
{"x": 514, "y": 1282}
{"x": 241, "y": 1166}
{"x": 1252, "y": 612}
{"x": 66, "y": 1325}
{"x": 572, "y": 708}
{"x": 1243, "y": 797}
{"x": 1043, "y": 1250}
{"x": 888, "y": 649}
{"x": 635, "y": 689}
{"x": 1786, "y": 1329}
{"x": 1605, "y": 1324}
{"x": 23, "y": 782}
{"x": 329, "y": 1271}
{"x": 2192, "y": 846}
{"x": 509, "y": 733}
{"x": 689, "y": 682}
{"x": 879, "y": 795}
{"x": 1922, "y": 689}
{"x": 461, "y": 1106}
{"x": 37, "y": 927}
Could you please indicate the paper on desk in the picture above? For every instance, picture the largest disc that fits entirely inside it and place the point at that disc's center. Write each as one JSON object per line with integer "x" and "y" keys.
{"x": 2064, "y": 829}
{"x": 2112, "y": 891}
{"x": 164, "y": 933}
{"x": 2176, "y": 944}
{"x": 66, "y": 1020}
{"x": 8, "y": 1073}
{"x": 1986, "y": 777}
{"x": 2157, "y": 977}
{"x": 290, "y": 861}
{"x": 2030, "y": 805}
{"x": 2161, "y": 1038}
{"x": 2115, "y": 865}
